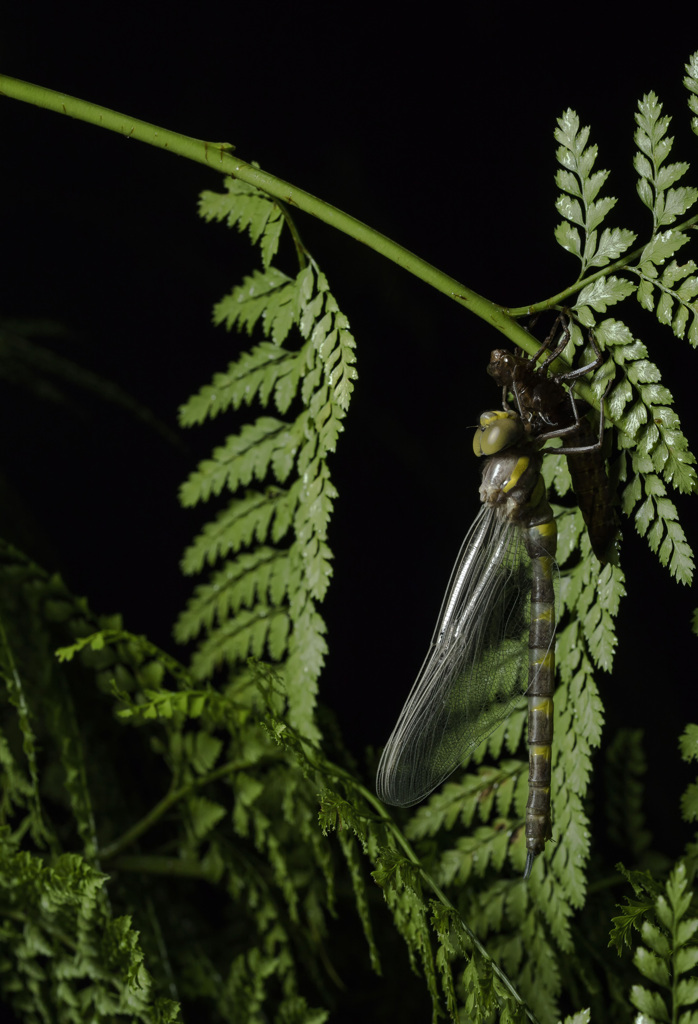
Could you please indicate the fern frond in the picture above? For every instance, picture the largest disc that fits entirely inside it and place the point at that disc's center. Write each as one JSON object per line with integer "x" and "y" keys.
{"x": 504, "y": 908}
{"x": 248, "y": 825}
{"x": 20, "y": 784}
{"x": 496, "y": 797}
{"x": 268, "y": 297}
{"x": 263, "y": 575}
{"x": 266, "y": 445}
{"x": 61, "y": 938}
{"x": 257, "y": 515}
{"x": 248, "y": 635}
{"x": 579, "y": 204}
{"x": 583, "y": 1017}
{"x": 632, "y": 914}
{"x": 265, "y": 368}
{"x": 457, "y": 804}
{"x": 350, "y": 850}
{"x": 401, "y": 882}
{"x": 656, "y": 176}
{"x": 42, "y": 610}
{"x": 650, "y": 430}
{"x": 641, "y": 408}
{"x": 506, "y": 915}
{"x": 599, "y": 295}
{"x": 264, "y": 603}
{"x": 201, "y": 750}
{"x": 669, "y": 955}
{"x": 691, "y": 83}
{"x": 664, "y": 283}
{"x": 246, "y": 207}
{"x": 347, "y": 808}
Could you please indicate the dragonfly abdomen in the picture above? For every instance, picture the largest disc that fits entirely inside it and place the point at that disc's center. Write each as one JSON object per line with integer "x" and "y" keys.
{"x": 540, "y": 541}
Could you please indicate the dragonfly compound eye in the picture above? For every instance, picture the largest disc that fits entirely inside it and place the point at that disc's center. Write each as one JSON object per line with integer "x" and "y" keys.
{"x": 498, "y": 430}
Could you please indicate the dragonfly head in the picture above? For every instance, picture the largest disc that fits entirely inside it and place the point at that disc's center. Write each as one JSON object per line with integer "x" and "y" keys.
{"x": 502, "y": 367}
{"x": 498, "y": 430}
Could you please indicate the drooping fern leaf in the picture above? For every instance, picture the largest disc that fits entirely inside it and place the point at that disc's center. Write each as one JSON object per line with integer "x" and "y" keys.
{"x": 265, "y": 601}
{"x": 347, "y": 808}
{"x": 66, "y": 955}
{"x": 237, "y": 818}
{"x": 67, "y": 950}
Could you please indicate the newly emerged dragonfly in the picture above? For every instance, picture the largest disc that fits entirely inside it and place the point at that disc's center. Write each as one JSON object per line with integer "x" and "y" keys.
{"x": 547, "y": 405}
{"x": 494, "y": 638}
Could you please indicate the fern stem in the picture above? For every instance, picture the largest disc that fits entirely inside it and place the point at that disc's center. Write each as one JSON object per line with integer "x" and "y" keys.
{"x": 162, "y": 807}
{"x": 149, "y": 864}
{"x": 219, "y": 157}
{"x": 562, "y": 298}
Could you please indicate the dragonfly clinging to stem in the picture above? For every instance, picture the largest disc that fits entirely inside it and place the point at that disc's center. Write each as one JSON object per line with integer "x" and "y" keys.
{"x": 499, "y": 607}
{"x": 493, "y": 644}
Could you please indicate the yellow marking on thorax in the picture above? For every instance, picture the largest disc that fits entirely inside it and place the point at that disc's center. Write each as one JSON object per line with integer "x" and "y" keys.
{"x": 519, "y": 469}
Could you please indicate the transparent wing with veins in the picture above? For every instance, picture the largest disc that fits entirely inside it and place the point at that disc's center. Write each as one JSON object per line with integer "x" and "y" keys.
{"x": 476, "y": 670}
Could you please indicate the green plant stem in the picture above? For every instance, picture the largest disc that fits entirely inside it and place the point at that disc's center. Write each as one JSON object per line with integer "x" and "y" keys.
{"x": 155, "y": 813}
{"x": 174, "y": 867}
{"x": 562, "y": 298}
{"x": 219, "y": 157}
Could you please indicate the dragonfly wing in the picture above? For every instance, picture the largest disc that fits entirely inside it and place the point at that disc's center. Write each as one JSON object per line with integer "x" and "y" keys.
{"x": 476, "y": 669}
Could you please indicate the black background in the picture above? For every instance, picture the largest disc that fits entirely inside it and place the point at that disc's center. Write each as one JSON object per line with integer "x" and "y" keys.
{"x": 436, "y": 128}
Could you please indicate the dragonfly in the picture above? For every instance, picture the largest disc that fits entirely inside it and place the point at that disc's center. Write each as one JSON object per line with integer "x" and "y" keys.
{"x": 493, "y": 644}
{"x": 547, "y": 404}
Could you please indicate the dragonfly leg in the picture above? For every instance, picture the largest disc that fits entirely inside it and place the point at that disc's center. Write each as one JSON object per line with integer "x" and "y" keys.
{"x": 570, "y": 375}
{"x": 598, "y": 444}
